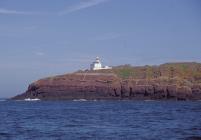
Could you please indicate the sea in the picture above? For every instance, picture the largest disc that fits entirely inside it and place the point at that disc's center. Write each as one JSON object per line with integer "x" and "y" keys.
{"x": 100, "y": 120}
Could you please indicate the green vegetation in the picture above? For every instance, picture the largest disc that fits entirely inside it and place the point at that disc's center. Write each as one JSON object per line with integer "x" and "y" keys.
{"x": 183, "y": 71}
{"x": 125, "y": 72}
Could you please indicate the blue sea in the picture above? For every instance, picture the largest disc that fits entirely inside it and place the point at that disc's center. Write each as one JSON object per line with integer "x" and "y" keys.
{"x": 100, "y": 120}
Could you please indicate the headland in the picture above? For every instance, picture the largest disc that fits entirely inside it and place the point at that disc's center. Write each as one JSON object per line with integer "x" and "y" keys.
{"x": 170, "y": 81}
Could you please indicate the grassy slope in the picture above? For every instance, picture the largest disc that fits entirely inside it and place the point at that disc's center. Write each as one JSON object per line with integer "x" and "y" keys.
{"x": 189, "y": 72}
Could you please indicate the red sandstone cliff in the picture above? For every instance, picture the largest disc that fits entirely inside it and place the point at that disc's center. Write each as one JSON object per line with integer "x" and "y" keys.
{"x": 103, "y": 85}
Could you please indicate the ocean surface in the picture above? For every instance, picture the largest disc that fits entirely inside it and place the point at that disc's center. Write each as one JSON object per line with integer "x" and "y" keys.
{"x": 104, "y": 120}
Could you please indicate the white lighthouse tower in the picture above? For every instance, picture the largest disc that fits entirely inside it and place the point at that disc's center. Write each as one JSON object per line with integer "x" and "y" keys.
{"x": 96, "y": 65}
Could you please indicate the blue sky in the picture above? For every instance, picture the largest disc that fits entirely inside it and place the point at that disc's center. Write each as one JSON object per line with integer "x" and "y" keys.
{"x": 40, "y": 38}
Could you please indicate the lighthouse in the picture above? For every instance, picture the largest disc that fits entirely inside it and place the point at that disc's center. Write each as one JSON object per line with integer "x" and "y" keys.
{"x": 96, "y": 65}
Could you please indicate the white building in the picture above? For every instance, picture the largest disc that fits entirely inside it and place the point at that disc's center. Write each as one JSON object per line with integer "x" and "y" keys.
{"x": 96, "y": 65}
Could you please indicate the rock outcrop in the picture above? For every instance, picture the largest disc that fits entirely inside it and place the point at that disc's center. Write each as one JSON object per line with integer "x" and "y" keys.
{"x": 109, "y": 86}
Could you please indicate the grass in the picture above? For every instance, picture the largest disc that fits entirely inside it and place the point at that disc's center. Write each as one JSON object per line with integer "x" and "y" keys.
{"x": 181, "y": 71}
{"x": 185, "y": 73}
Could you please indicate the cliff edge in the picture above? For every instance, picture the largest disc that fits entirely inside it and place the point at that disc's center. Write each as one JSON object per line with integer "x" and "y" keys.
{"x": 170, "y": 81}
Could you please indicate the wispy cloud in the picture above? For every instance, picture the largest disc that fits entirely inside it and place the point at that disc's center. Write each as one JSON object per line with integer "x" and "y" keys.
{"x": 14, "y": 12}
{"x": 77, "y": 7}
{"x": 82, "y": 5}
{"x": 39, "y": 53}
{"x": 4, "y": 11}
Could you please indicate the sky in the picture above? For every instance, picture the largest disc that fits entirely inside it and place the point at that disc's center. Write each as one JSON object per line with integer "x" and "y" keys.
{"x": 40, "y": 38}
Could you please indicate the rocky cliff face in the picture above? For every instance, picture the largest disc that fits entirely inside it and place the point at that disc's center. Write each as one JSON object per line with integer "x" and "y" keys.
{"x": 109, "y": 86}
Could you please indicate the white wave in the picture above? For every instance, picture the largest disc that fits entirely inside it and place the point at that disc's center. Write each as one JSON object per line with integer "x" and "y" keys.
{"x": 29, "y": 99}
{"x": 81, "y": 100}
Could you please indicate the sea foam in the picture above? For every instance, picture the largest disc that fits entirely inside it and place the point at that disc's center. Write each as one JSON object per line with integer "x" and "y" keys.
{"x": 81, "y": 100}
{"x": 29, "y": 99}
